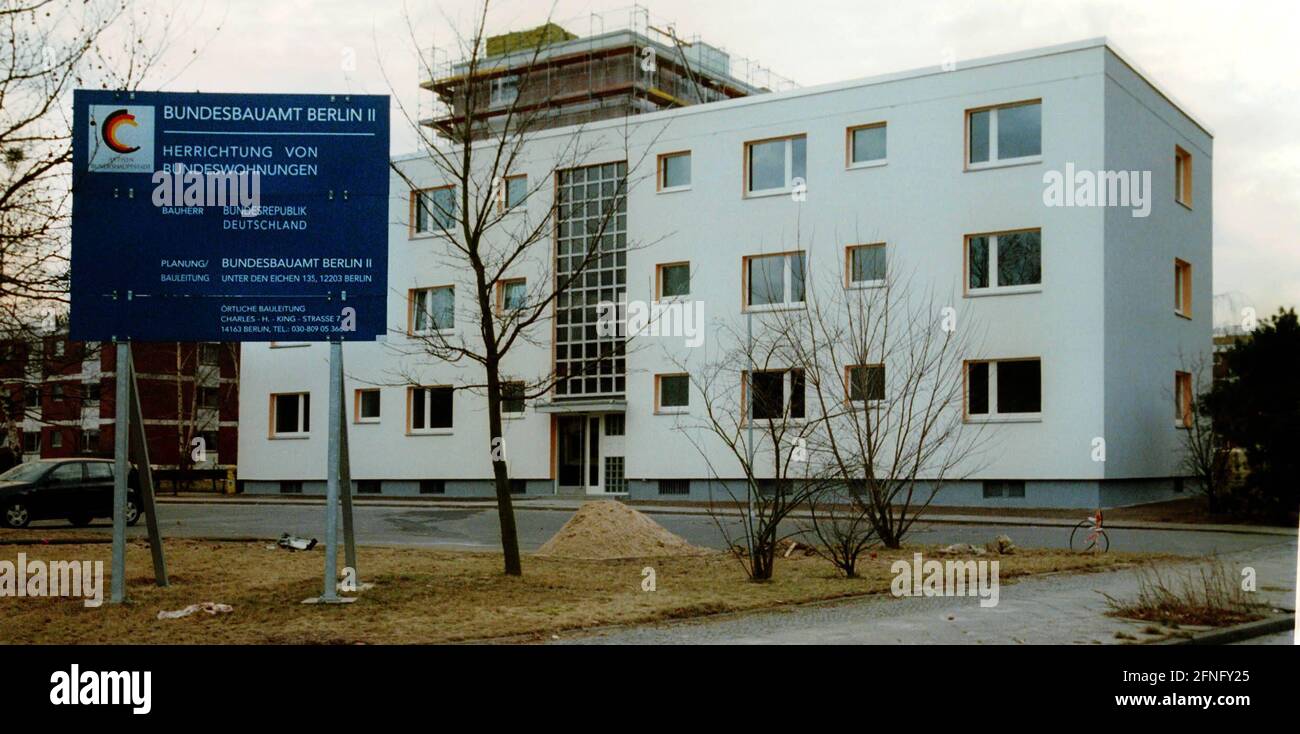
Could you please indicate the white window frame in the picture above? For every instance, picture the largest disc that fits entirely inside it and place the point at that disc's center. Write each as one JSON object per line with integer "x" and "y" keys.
{"x": 413, "y": 300}
{"x": 789, "y": 165}
{"x": 787, "y": 282}
{"x": 512, "y": 414}
{"x": 849, "y": 282}
{"x": 662, "y": 170}
{"x": 848, "y": 391}
{"x": 435, "y": 229}
{"x": 411, "y": 430}
{"x": 994, "y": 289}
{"x": 851, "y": 164}
{"x": 787, "y": 395}
{"x": 994, "y": 161}
{"x": 300, "y": 433}
{"x": 359, "y": 417}
{"x": 993, "y": 416}
{"x": 660, "y": 408}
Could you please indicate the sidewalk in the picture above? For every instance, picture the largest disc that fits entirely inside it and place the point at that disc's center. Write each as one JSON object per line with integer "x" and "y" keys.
{"x": 654, "y": 508}
{"x": 1059, "y": 609}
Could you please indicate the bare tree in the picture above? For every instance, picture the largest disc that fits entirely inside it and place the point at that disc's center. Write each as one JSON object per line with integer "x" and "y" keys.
{"x": 884, "y": 366}
{"x": 502, "y": 252}
{"x": 1204, "y": 454}
{"x": 47, "y": 49}
{"x": 754, "y": 409}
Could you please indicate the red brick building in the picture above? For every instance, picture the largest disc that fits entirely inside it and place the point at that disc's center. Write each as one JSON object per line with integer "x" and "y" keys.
{"x": 57, "y": 400}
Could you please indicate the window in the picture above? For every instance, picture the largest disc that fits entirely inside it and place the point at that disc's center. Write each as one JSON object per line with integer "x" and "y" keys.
{"x": 769, "y": 390}
{"x": 365, "y": 406}
{"x": 1004, "y": 134}
{"x": 866, "y": 145}
{"x": 591, "y": 268}
{"x": 1004, "y": 388}
{"x": 90, "y": 393}
{"x": 516, "y": 191}
{"x": 512, "y": 397}
{"x": 290, "y": 487}
{"x": 1183, "y": 399}
{"x": 1009, "y": 261}
{"x": 675, "y": 171}
{"x": 432, "y": 310}
{"x": 429, "y": 409}
{"x": 210, "y": 442}
{"x": 771, "y": 166}
{"x": 433, "y": 486}
{"x": 672, "y": 393}
{"x": 674, "y": 486}
{"x": 674, "y": 280}
{"x": 290, "y": 414}
{"x": 435, "y": 210}
{"x": 774, "y": 280}
{"x": 614, "y": 424}
{"x": 90, "y": 441}
{"x": 60, "y": 348}
{"x": 56, "y": 439}
{"x": 865, "y": 265}
{"x": 209, "y": 397}
{"x": 67, "y": 473}
{"x": 1003, "y": 488}
{"x": 512, "y": 294}
{"x": 1182, "y": 176}
{"x": 32, "y": 397}
{"x": 615, "y": 481}
{"x": 518, "y": 486}
{"x": 1182, "y": 288}
{"x": 210, "y": 354}
{"x": 99, "y": 471}
{"x": 56, "y": 392}
{"x": 866, "y": 382}
{"x": 505, "y": 90}
{"x": 31, "y": 442}
{"x": 369, "y": 486}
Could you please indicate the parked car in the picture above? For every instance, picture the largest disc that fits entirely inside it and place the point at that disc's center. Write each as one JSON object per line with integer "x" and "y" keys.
{"x": 78, "y": 490}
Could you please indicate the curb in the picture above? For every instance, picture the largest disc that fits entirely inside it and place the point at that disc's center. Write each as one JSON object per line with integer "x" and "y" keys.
{"x": 1237, "y": 633}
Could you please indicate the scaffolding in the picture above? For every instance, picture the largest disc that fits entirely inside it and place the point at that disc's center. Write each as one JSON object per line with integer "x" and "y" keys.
{"x": 628, "y": 63}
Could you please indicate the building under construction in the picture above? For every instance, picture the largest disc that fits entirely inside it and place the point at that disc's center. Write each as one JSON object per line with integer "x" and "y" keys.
{"x": 552, "y": 77}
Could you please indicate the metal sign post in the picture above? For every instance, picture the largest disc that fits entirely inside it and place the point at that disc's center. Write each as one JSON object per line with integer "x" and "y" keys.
{"x": 337, "y": 480}
{"x": 129, "y": 445}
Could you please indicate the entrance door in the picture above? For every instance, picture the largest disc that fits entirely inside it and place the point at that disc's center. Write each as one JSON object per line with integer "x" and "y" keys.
{"x": 571, "y": 448}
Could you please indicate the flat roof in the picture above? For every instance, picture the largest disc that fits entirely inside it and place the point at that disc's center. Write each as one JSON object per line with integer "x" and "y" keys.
{"x": 766, "y": 97}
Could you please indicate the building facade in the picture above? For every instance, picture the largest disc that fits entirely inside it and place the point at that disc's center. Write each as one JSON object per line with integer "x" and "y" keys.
{"x": 58, "y": 400}
{"x": 1079, "y": 381}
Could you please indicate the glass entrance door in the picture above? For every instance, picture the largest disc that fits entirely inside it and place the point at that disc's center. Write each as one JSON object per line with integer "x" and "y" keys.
{"x": 572, "y": 450}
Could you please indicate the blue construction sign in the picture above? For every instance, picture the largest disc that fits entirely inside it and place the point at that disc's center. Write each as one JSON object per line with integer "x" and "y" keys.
{"x": 229, "y": 217}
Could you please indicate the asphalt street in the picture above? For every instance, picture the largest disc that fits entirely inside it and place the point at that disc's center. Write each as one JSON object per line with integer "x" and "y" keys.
{"x": 476, "y": 528}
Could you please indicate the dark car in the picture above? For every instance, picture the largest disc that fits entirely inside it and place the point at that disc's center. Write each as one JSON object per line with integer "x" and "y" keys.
{"x": 78, "y": 490}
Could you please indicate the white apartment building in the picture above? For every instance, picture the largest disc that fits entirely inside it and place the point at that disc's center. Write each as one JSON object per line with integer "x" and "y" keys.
{"x": 1085, "y": 335}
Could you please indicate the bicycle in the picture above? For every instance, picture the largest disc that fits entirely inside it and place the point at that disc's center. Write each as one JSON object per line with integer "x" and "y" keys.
{"x": 1092, "y": 539}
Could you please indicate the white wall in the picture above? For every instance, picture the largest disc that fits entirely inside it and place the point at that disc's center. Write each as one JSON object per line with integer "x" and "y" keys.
{"x": 921, "y": 203}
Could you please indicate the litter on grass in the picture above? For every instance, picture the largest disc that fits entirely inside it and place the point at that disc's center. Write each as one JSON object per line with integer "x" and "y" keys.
{"x": 207, "y": 606}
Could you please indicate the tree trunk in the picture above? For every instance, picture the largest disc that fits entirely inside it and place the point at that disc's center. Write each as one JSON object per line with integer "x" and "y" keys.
{"x": 501, "y": 474}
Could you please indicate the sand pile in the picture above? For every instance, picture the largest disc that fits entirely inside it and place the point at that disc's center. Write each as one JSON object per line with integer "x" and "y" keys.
{"x": 607, "y": 529}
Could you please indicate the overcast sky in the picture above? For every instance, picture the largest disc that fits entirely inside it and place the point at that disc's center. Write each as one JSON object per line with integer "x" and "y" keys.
{"x": 1235, "y": 66}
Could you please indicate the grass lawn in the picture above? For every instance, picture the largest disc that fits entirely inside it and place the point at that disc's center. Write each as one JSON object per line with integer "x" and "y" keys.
{"x": 430, "y": 596}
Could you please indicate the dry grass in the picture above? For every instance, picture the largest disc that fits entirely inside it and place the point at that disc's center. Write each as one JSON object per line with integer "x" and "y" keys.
{"x": 429, "y": 596}
{"x": 1210, "y": 596}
